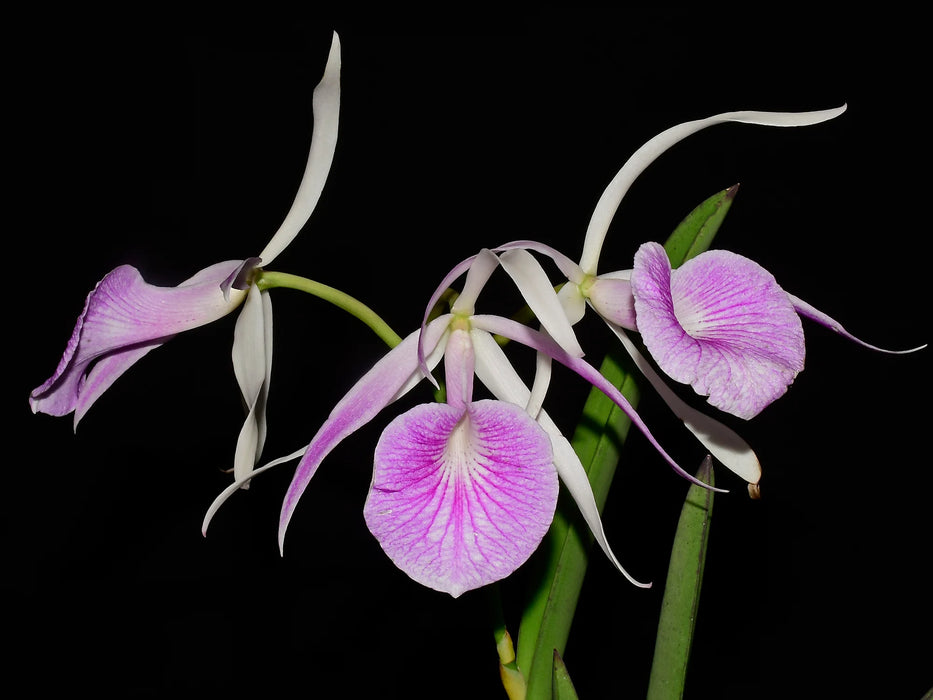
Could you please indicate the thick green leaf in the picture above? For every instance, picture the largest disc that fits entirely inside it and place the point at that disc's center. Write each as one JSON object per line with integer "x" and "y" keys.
{"x": 682, "y": 591}
{"x": 561, "y": 560}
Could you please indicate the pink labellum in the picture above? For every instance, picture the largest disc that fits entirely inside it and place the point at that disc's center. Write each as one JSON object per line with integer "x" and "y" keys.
{"x": 462, "y": 497}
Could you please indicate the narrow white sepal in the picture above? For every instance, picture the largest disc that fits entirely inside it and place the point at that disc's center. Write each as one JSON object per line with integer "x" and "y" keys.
{"x": 611, "y": 198}
{"x": 540, "y": 385}
{"x": 240, "y": 483}
{"x": 326, "y": 110}
{"x": 481, "y": 269}
{"x": 538, "y": 292}
{"x": 252, "y": 366}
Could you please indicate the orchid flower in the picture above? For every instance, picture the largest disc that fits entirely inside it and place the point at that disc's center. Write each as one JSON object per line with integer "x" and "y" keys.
{"x": 124, "y": 317}
{"x": 758, "y": 350}
{"x": 462, "y": 492}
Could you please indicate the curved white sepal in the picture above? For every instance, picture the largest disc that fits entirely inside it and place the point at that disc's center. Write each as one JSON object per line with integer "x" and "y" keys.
{"x": 326, "y": 108}
{"x": 611, "y": 198}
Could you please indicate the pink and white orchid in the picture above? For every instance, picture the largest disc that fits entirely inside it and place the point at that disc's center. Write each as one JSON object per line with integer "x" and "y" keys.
{"x": 124, "y": 317}
{"x": 462, "y": 493}
{"x": 720, "y": 322}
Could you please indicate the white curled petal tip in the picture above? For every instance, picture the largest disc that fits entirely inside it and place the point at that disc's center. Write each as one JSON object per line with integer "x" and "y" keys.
{"x": 326, "y": 109}
{"x": 240, "y": 483}
{"x": 574, "y": 477}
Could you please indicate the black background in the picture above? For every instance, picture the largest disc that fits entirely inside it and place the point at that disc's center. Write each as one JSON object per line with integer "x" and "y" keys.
{"x": 171, "y": 145}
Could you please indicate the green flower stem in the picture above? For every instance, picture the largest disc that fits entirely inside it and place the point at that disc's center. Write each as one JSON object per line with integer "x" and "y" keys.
{"x": 562, "y": 557}
{"x": 342, "y": 300}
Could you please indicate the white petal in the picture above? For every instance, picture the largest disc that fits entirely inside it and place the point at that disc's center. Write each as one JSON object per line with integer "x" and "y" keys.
{"x": 573, "y": 302}
{"x": 539, "y": 294}
{"x": 540, "y": 386}
{"x": 252, "y": 365}
{"x": 326, "y": 107}
{"x": 644, "y": 156}
{"x": 568, "y": 267}
{"x": 482, "y": 268}
{"x": 240, "y": 483}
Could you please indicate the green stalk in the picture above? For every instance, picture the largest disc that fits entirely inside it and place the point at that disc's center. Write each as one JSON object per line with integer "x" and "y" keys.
{"x": 342, "y": 300}
{"x": 562, "y": 558}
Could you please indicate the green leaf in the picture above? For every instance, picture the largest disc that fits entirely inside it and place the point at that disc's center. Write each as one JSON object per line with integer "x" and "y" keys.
{"x": 696, "y": 232}
{"x": 682, "y": 591}
{"x": 562, "y": 558}
{"x": 545, "y": 624}
{"x": 562, "y": 685}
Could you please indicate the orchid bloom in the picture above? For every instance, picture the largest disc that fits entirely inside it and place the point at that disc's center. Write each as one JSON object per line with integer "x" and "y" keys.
{"x": 463, "y": 492}
{"x": 720, "y": 322}
{"x": 124, "y": 317}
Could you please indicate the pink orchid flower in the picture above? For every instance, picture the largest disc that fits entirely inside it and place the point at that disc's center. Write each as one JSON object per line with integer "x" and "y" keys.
{"x": 463, "y": 491}
{"x": 124, "y": 317}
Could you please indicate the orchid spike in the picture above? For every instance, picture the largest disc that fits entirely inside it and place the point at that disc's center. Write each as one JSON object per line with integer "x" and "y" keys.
{"x": 124, "y": 317}
{"x": 462, "y": 492}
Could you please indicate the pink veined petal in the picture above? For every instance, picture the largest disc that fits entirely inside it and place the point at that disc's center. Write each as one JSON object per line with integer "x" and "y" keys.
{"x": 460, "y": 498}
{"x": 374, "y": 391}
{"x": 720, "y": 323}
{"x": 125, "y": 317}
